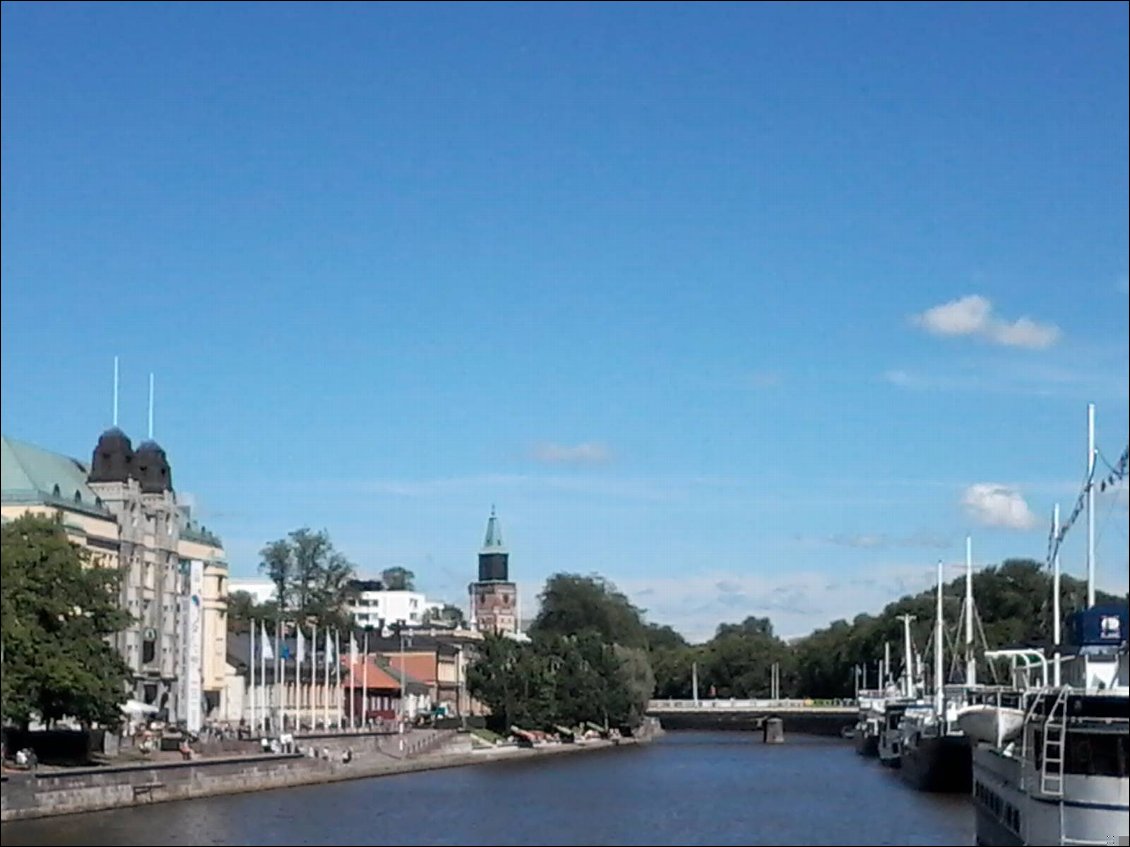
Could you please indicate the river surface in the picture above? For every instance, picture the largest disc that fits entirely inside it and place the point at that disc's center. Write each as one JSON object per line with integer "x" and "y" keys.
{"x": 687, "y": 788}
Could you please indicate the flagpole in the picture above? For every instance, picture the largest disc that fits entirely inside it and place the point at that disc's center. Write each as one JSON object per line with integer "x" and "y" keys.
{"x": 365, "y": 680}
{"x": 313, "y": 672}
{"x": 251, "y": 662}
{"x": 326, "y": 684}
{"x": 278, "y": 707}
{"x": 263, "y": 644}
{"x": 337, "y": 687}
{"x": 300, "y": 647}
{"x": 352, "y": 679}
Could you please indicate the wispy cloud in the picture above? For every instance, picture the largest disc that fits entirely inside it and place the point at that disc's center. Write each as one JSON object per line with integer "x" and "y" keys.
{"x": 588, "y": 453}
{"x": 878, "y": 541}
{"x": 645, "y": 488}
{"x": 993, "y": 504}
{"x": 1026, "y": 379}
{"x": 917, "y": 381}
{"x": 796, "y": 602}
{"x": 972, "y": 315}
{"x": 763, "y": 379}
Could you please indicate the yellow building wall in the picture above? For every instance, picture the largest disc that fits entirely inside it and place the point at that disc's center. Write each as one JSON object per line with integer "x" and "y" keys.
{"x": 80, "y": 528}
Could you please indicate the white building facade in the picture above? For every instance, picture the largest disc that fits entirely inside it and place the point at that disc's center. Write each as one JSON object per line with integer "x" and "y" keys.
{"x": 379, "y": 607}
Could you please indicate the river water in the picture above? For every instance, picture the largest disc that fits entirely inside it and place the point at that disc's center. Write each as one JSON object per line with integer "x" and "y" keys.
{"x": 687, "y": 788}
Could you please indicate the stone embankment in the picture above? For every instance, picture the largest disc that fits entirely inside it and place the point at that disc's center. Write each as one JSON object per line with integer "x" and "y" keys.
{"x": 46, "y": 793}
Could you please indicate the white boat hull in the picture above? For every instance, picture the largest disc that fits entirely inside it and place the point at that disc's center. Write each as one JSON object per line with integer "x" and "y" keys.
{"x": 991, "y": 724}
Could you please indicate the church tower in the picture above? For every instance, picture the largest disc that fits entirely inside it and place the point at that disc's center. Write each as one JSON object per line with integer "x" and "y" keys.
{"x": 494, "y": 598}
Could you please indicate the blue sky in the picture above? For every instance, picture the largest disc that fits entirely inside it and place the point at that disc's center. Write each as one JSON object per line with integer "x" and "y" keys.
{"x": 753, "y": 309}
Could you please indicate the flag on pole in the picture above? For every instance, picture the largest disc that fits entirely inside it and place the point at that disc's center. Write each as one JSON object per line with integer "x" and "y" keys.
{"x": 301, "y": 644}
{"x": 329, "y": 649}
{"x": 326, "y": 684}
{"x": 266, "y": 651}
{"x": 338, "y": 691}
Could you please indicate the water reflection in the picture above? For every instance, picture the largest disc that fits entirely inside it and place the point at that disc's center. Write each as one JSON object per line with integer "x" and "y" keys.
{"x": 690, "y": 788}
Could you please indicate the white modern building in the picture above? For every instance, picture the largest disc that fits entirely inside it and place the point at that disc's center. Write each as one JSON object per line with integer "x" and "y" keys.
{"x": 261, "y": 590}
{"x": 374, "y": 605}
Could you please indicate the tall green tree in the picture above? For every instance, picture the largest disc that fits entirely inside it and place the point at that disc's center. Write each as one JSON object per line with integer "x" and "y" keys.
{"x": 737, "y": 662}
{"x": 587, "y": 660}
{"x": 509, "y": 678}
{"x": 58, "y": 613}
{"x": 311, "y": 577}
{"x": 398, "y": 579}
{"x": 243, "y": 611}
{"x": 1014, "y": 608}
{"x": 572, "y": 604}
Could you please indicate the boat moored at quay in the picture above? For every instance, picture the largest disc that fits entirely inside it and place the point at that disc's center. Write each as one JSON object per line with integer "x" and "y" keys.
{"x": 1060, "y": 775}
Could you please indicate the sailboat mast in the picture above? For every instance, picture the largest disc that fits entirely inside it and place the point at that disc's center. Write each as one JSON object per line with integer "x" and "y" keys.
{"x": 886, "y": 663}
{"x": 1055, "y": 597}
{"x": 939, "y": 637}
{"x": 908, "y": 661}
{"x": 970, "y": 658}
{"x": 1090, "y": 505}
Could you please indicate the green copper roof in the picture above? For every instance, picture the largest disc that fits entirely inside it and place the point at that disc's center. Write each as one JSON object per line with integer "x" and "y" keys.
{"x": 30, "y": 474}
{"x": 493, "y": 542}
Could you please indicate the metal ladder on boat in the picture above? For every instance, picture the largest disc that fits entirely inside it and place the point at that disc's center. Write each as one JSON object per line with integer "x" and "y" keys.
{"x": 1055, "y": 736}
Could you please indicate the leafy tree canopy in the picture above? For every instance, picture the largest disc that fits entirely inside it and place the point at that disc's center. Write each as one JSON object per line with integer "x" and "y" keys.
{"x": 398, "y": 579}
{"x": 572, "y": 604}
{"x": 311, "y": 578}
{"x": 58, "y": 612}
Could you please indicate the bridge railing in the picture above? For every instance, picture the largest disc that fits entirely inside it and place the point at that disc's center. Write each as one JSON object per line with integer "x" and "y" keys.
{"x": 735, "y": 704}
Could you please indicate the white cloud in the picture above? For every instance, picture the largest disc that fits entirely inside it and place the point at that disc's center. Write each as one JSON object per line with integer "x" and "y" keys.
{"x": 973, "y": 315}
{"x": 645, "y": 488}
{"x": 797, "y": 602}
{"x": 966, "y": 316}
{"x": 588, "y": 453}
{"x": 1031, "y": 379}
{"x": 878, "y": 541}
{"x": 993, "y": 504}
{"x": 1024, "y": 332}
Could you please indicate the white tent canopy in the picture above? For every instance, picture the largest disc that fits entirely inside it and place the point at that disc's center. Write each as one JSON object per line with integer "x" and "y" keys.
{"x": 136, "y": 707}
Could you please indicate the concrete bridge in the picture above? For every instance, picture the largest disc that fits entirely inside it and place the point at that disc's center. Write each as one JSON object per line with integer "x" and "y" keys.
{"x": 810, "y": 717}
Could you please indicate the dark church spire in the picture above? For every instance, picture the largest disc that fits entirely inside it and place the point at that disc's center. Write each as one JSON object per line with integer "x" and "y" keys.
{"x": 494, "y": 561}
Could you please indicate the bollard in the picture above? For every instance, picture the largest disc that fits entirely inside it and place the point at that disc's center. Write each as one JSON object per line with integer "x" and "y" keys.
{"x": 773, "y": 731}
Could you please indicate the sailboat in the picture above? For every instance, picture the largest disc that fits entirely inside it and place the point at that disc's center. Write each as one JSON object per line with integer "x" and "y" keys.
{"x": 936, "y": 754}
{"x": 873, "y": 708}
{"x": 1063, "y": 775}
{"x": 897, "y": 709}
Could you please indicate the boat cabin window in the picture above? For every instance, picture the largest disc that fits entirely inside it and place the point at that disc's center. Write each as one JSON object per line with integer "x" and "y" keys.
{"x": 1097, "y": 754}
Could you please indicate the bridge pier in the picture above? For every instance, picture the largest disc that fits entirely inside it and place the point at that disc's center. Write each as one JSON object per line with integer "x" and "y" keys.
{"x": 773, "y": 731}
